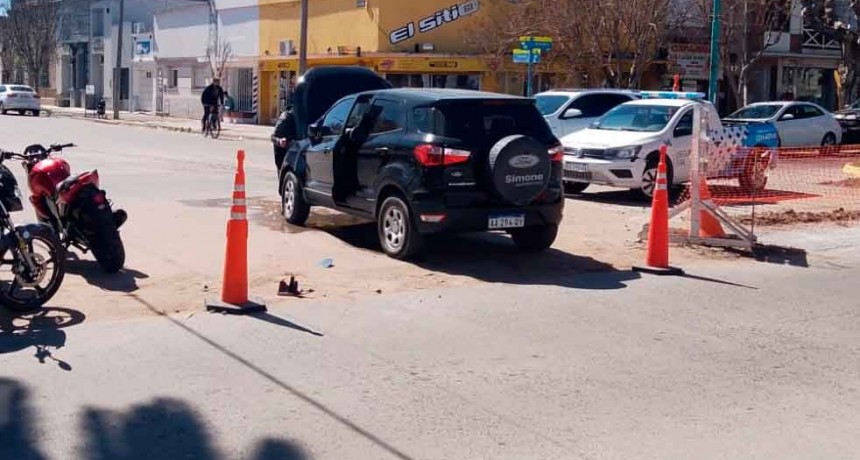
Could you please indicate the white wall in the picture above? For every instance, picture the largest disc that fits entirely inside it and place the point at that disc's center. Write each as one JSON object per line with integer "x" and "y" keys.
{"x": 181, "y": 32}
{"x": 241, "y": 26}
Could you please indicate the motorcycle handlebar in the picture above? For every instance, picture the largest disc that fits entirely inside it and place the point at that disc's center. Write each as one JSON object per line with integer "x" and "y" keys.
{"x": 58, "y": 147}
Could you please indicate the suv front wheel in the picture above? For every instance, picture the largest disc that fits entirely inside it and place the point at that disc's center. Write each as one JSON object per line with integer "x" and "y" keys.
{"x": 293, "y": 205}
{"x": 396, "y": 229}
{"x": 533, "y": 239}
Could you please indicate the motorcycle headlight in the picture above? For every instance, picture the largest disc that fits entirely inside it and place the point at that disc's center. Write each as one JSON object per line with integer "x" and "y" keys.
{"x": 624, "y": 153}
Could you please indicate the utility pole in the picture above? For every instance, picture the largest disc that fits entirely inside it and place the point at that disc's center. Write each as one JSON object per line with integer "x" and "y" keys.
{"x": 713, "y": 83}
{"x": 117, "y": 70}
{"x": 303, "y": 39}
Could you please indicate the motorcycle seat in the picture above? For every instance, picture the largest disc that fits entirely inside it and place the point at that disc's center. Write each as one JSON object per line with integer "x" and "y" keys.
{"x": 70, "y": 182}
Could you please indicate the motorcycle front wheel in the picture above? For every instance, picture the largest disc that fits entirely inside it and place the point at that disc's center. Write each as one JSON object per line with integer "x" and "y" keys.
{"x": 24, "y": 287}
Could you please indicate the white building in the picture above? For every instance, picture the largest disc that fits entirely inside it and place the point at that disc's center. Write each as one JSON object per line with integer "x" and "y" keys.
{"x": 173, "y": 63}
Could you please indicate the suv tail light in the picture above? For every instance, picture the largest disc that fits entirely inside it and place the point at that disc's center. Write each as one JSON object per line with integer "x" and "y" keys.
{"x": 36, "y": 96}
{"x": 556, "y": 153}
{"x": 433, "y": 155}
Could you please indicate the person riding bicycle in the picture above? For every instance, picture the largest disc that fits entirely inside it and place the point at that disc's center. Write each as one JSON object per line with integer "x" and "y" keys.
{"x": 212, "y": 97}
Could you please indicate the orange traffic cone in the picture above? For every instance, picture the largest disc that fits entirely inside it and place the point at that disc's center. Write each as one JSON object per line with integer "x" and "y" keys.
{"x": 709, "y": 226}
{"x": 657, "y": 258}
{"x": 234, "y": 289}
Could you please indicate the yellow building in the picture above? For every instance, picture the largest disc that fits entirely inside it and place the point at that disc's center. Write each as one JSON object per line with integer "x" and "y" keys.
{"x": 427, "y": 43}
{"x": 422, "y": 44}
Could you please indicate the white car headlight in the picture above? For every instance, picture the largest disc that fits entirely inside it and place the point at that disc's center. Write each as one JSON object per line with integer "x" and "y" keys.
{"x": 624, "y": 153}
{"x": 573, "y": 151}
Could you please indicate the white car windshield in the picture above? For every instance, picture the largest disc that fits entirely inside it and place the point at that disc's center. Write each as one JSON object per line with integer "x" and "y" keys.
{"x": 641, "y": 118}
{"x": 549, "y": 104}
{"x": 756, "y": 112}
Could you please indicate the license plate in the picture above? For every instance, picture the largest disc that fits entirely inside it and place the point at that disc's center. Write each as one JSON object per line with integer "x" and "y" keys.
{"x": 507, "y": 221}
{"x": 578, "y": 167}
{"x": 578, "y": 175}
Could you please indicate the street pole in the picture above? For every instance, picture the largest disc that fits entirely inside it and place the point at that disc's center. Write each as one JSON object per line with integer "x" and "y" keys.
{"x": 117, "y": 70}
{"x": 713, "y": 86}
{"x": 303, "y": 39}
{"x": 529, "y": 73}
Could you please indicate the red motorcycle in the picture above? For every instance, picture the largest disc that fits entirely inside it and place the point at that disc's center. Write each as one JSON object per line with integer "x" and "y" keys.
{"x": 75, "y": 206}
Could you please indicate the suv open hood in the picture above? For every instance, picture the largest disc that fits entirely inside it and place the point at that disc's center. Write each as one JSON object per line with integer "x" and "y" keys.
{"x": 321, "y": 87}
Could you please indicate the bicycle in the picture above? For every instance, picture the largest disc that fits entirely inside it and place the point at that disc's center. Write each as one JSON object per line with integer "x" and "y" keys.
{"x": 212, "y": 126}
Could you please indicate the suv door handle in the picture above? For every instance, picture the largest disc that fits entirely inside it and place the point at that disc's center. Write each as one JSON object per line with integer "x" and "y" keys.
{"x": 383, "y": 150}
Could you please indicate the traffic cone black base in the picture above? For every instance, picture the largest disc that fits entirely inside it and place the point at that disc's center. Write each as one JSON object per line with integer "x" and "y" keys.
{"x": 669, "y": 271}
{"x": 253, "y": 305}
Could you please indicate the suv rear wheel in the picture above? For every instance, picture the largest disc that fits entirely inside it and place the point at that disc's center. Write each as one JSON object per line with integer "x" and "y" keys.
{"x": 293, "y": 205}
{"x": 396, "y": 229}
{"x": 533, "y": 239}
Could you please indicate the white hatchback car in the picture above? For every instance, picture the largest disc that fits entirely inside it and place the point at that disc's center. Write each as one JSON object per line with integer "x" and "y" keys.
{"x": 19, "y": 98}
{"x": 800, "y": 124}
{"x": 570, "y": 110}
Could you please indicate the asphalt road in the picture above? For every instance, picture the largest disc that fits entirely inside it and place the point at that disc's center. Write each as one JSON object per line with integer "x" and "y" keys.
{"x": 496, "y": 359}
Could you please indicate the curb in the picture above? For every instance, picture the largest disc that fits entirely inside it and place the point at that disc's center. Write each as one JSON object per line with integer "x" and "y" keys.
{"x": 154, "y": 125}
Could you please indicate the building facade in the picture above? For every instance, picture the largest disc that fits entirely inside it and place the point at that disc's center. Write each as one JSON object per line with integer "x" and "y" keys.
{"x": 192, "y": 42}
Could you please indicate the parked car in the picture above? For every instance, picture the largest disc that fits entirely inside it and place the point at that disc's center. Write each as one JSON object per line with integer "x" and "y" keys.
{"x": 570, "y": 110}
{"x": 20, "y": 98}
{"x": 800, "y": 124}
{"x": 621, "y": 149}
{"x": 849, "y": 118}
{"x": 426, "y": 161}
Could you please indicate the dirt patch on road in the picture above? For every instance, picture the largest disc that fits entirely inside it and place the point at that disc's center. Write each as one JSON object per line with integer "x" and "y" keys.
{"x": 853, "y": 182}
{"x": 790, "y": 217}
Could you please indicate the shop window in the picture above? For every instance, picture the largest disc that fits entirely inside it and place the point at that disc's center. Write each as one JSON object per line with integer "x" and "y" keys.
{"x": 460, "y": 81}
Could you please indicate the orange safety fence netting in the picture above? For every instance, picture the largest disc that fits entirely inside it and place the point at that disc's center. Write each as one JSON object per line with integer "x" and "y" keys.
{"x": 787, "y": 186}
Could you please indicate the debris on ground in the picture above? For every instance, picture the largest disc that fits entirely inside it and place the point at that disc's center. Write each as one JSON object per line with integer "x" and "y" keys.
{"x": 326, "y": 263}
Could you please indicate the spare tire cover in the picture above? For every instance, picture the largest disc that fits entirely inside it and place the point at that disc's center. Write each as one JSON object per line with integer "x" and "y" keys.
{"x": 520, "y": 169}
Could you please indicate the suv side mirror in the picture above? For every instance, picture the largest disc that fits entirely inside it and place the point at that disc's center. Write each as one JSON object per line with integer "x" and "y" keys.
{"x": 786, "y": 117}
{"x": 571, "y": 113}
{"x": 314, "y": 131}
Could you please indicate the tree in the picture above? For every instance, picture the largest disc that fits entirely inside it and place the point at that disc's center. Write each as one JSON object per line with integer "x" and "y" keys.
{"x": 838, "y": 19}
{"x": 609, "y": 44}
{"x": 745, "y": 37}
{"x": 219, "y": 54}
{"x": 30, "y": 35}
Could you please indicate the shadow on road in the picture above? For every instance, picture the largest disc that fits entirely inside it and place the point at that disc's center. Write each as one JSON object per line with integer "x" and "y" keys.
{"x": 123, "y": 281}
{"x": 161, "y": 429}
{"x": 17, "y": 432}
{"x": 492, "y": 257}
{"x": 42, "y": 330}
{"x": 278, "y": 321}
{"x": 341, "y": 419}
{"x": 779, "y": 255}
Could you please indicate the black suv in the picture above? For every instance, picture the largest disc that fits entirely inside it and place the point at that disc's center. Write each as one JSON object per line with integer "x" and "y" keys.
{"x": 422, "y": 161}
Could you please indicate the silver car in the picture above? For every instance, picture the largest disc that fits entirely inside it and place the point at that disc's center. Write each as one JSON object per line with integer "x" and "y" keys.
{"x": 19, "y": 98}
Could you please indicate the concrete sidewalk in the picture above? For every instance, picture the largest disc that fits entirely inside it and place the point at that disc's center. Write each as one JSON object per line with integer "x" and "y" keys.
{"x": 228, "y": 131}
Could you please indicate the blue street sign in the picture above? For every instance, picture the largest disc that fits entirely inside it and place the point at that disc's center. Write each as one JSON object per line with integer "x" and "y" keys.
{"x": 522, "y": 56}
{"x": 538, "y": 43}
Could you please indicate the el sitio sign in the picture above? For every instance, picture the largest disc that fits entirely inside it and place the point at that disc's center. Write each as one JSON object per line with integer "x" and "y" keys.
{"x": 436, "y": 20}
